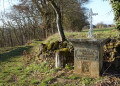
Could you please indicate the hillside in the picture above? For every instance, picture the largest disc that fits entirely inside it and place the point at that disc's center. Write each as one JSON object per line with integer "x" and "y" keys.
{"x": 20, "y": 66}
{"x": 97, "y": 33}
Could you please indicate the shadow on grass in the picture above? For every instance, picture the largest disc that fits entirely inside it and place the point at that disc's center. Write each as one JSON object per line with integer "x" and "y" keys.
{"x": 16, "y": 52}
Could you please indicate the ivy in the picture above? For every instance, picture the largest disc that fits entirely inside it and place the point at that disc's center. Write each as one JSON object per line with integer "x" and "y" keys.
{"x": 116, "y": 8}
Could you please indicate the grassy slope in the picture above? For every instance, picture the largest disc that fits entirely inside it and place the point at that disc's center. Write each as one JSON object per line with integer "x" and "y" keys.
{"x": 14, "y": 72}
{"x": 97, "y": 33}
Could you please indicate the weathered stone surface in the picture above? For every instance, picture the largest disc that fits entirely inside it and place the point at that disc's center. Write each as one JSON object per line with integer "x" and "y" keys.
{"x": 88, "y": 56}
{"x": 60, "y": 60}
{"x": 64, "y": 57}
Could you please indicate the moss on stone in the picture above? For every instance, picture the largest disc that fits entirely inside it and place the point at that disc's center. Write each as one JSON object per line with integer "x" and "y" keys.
{"x": 50, "y": 46}
{"x": 65, "y": 51}
{"x": 56, "y": 45}
{"x": 44, "y": 48}
{"x": 60, "y": 45}
{"x": 64, "y": 45}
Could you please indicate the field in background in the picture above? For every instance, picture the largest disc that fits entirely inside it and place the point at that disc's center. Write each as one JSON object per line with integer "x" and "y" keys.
{"x": 97, "y": 33}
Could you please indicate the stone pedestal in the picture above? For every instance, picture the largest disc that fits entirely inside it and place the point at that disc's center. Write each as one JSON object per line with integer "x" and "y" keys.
{"x": 61, "y": 58}
{"x": 88, "y": 56}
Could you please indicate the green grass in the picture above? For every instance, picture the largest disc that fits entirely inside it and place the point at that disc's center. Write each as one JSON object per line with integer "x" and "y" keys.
{"x": 97, "y": 33}
{"x": 14, "y": 72}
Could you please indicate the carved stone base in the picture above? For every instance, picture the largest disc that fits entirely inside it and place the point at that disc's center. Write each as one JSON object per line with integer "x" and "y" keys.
{"x": 88, "y": 56}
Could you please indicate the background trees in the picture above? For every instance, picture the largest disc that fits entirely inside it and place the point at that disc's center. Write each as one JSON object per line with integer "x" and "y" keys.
{"x": 101, "y": 25}
{"x": 36, "y": 19}
{"x": 29, "y": 21}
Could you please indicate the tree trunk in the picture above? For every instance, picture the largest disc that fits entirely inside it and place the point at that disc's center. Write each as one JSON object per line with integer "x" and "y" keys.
{"x": 58, "y": 21}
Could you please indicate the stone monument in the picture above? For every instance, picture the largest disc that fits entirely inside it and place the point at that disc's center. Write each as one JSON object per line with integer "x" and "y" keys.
{"x": 88, "y": 56}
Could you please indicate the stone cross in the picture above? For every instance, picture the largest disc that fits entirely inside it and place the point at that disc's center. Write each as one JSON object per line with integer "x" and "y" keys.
{"x": 90, "y": 33}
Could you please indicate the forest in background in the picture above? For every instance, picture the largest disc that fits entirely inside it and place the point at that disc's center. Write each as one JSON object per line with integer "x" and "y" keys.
{"x": 36, "y": 19}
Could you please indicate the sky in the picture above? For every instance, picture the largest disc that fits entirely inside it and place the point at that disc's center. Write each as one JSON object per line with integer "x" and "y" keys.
{"x": 103, "y": 8}
{"x": 5, "y": 6}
